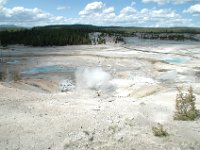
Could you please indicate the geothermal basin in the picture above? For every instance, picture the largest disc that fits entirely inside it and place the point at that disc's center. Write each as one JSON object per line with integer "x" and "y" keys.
{"x": 97, "y": 96}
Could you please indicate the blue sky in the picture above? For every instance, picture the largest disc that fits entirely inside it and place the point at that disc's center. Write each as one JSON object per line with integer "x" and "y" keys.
{"x": 144, "y": 13}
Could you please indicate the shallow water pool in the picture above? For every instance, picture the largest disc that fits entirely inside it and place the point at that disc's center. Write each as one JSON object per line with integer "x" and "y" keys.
{"x": 176, "y": 60}
{"x": 49, "y": 69}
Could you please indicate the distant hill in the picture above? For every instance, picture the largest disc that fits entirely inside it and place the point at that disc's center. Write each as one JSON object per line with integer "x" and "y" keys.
{"x": 8, "y": 26}
{"x": 79, "y": 34}
{"x": 133, "y": 29}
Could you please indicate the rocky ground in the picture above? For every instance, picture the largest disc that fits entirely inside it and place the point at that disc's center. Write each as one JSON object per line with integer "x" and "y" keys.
{"x": 135, "y": 90}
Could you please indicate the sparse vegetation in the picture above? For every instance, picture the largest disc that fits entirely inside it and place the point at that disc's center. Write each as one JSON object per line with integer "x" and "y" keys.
{"x": 2, "y": 76}
{"x": 163, "y": 70}
{"x": 197, "y": 73}
{"x": 185, "y": 106}
{"x": 101, "y": 39}
{"x": 118, "y": 39}
{"x": 159, "y": 130}
{"x": 16, "y": 75}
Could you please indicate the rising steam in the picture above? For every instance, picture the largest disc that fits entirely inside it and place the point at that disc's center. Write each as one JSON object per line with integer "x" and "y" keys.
{"x": 92, "y": 78}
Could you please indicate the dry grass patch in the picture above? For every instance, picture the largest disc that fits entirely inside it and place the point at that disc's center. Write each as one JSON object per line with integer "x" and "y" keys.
{"x": 159, "y": 131}
{"x": 16, "y": 75}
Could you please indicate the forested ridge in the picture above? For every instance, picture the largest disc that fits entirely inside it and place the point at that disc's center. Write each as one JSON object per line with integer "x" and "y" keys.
{"x": 46, "y": 36}
{"x": 60, "y": 35}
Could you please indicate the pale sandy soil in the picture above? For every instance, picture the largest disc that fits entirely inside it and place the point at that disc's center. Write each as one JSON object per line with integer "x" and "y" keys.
{"x": 35, "y": 115}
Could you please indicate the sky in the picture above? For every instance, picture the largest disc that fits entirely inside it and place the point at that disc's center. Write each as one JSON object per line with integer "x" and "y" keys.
{"x": 140, "y": 13}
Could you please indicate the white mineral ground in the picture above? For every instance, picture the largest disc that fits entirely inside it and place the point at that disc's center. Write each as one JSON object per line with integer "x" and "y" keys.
{"x": 138, "y": 92}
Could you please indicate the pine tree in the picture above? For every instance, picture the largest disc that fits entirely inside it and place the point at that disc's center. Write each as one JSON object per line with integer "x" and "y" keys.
{"x": 185, "y": 106}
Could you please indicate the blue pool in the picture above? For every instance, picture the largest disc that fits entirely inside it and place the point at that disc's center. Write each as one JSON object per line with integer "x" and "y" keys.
{"x": 176, "y": 60}
{"x": 49, "y": 69}
{"x": 13, "y": 62}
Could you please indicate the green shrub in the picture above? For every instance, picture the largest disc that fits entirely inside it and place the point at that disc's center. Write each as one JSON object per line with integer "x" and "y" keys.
{"x": 159, "y": 131}
{"x": 185, "y": 106}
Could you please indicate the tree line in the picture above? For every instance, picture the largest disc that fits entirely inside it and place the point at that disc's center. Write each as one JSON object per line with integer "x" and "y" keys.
{"x": 60, "y": 35}
{"x": 46, "y": 36}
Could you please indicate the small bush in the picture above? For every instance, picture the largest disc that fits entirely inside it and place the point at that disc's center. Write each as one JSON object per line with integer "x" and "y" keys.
{"x": 159, "y": 131}
{"x": 197, "y": 73}
{"x": 185, "y": 106}
{"x": 2, "y": 76}
{"x": 16, "y": 76}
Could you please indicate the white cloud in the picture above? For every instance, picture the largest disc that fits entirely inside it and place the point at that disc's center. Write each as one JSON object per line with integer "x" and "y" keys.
{"x": 169, "y": 1}
{"x": 194, "y": 9}
{"x": 2, "y": 3}
{"x": 29, "y": 17}
{"x": 93, "y": 7}
{"x": 129, "y": 16}
{"x": 156, "y": 17}
{"x": 97, "y": 13}
{"x": 127, "y": 11}
{"x": 109, "y": 10}
{"x": 61, "y": 8}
